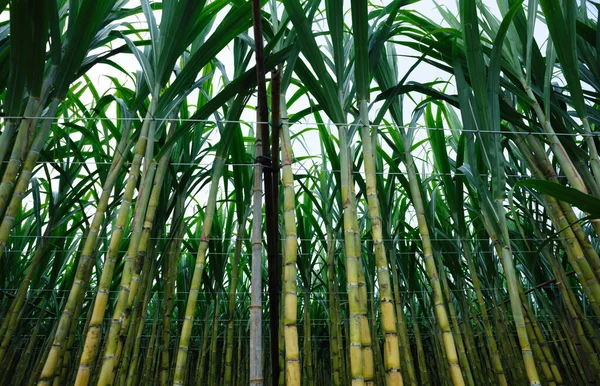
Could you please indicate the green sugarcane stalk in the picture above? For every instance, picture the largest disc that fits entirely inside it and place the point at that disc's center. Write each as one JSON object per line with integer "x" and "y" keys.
{"x": 186, "y": 329}
{"x": 200, "y": 365}
{"x": 170, "y": 266}
{"x": 309, "y": 370}
{"x": 148, "y": 366}
{"x": 26, "y": 358}
{"x": 228, "y": 377}
{"x": 423, "y": 373}
{"x": 538, "y": 354}
{"x": 542, "y": 168}
{"x": 504, "y": 251}
{"x": 212, "y": 374}
{"x": 336, "y": 378}
{"x": 401, "y": 325}
{"x": 13, "y": 317}
{"x": 131, "y": 358}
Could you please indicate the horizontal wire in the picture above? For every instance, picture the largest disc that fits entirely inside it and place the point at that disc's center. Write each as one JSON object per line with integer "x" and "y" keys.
{"x": 300, "y": 253}
{"x": 252, "y": 164}
{"x": 283, "y": 238}
{"x": 300, "y": 293}
{"x": 305, "y": 123}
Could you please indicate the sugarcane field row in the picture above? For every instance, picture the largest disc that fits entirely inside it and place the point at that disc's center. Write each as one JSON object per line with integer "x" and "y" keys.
{"x": 299, "y": 192}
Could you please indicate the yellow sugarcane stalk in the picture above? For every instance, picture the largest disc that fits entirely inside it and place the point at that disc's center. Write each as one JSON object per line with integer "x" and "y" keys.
{"x": 557, "y": 148}
{"x": 138, "y": 244}
{"x": 290, "y": 293}
{"x": 365, "y": 327}
{"x": 20, "y": 150}
{"x": 142, "y": 307}
{"x": 491, "y": 341}
{"x": 352, "y": 256}
{"x": 504, "y": 251}
{"x": 438, "y": 299}
{"x": 93, "y": 337}
{"x": 82, "y": 274}
{"x": 20, "y": 188}
{"x": 388, "y": 314}
{"x": 542, "y": 168}
{"x": 130, "y": 278}
{"x": 462, "y": 355}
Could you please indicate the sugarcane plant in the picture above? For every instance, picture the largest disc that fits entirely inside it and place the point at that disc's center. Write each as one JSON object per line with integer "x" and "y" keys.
{"x": 251, "y": 192}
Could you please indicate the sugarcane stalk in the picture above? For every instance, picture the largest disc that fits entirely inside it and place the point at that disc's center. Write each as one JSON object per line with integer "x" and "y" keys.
{"x": 290, "y": 292}
{"x": 137, "y": 326}
{"x": 491, "y": 341}
{"x": 23, "y": 142}
{"x": 462, "y": 356}
{"x": 333, "y": 316}
{"x": 438, "y": 300}
{"x": 94, "y": 333}
{"x": 386, "y": 301}
{"x": 147, "y": 368}
{"x": 401, "y": 325}
{"x": 22, "y": 184}
{"x": 186, "y": 329}
{"x": 169, "y": 276}
{"x": 83, "y": 272}
{"x": 231, "y": 304}
{"x": 136, "y": 253}
{"x": 352, "y": 257}
{"x": 212, "y": 371}
{"x": 138, "y": 244}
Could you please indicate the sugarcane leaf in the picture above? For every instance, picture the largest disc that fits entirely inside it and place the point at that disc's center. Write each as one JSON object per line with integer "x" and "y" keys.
{"x": 360, "y": 27}
{"x": 561, "y": 27}
{"x": 154, "y": 33}
{"x": 531, "y": 19}
{"x": 496, "y": 153}
{"x": 19, "y": 47}
{"x": 39, "y": 14}
{"x": 80, "y": 32}
{"x": 235, "y": 22}
{"x": 312, "y": 53}
{"x": 335, "y": 20}
{"x": 585, "y": 202}
{"x": 144, "y": 63}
